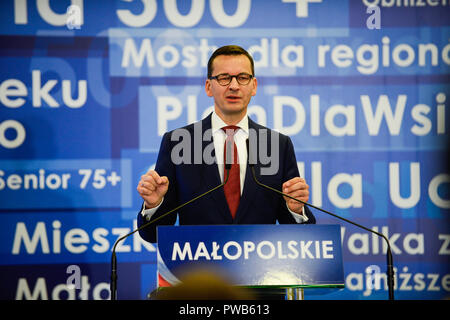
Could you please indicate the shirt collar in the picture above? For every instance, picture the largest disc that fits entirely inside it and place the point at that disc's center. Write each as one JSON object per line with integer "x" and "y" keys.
{"x": 217, "y": 123}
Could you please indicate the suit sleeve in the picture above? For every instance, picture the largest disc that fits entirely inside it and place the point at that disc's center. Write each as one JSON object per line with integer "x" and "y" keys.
{"x": 290, "y": 170}
{"x": 164, "y": 167}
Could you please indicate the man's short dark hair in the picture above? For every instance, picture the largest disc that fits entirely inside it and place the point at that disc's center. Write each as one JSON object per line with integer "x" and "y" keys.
{"x": 230, "y": 50}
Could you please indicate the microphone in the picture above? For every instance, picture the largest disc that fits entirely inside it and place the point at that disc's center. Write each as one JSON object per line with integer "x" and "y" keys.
{"x": 390, "y": 263}
{"x": 113, "y": 284}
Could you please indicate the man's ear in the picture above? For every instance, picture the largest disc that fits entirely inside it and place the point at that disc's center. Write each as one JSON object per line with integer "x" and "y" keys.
{"x": 208, "y": 88}
{"x": 255, "y": 85}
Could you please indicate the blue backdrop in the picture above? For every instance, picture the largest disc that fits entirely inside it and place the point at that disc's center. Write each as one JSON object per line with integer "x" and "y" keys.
{"x": 87, "y": 88}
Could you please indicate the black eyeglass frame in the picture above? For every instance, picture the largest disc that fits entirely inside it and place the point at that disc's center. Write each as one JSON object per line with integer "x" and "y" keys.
{"x": 231, "y": 78}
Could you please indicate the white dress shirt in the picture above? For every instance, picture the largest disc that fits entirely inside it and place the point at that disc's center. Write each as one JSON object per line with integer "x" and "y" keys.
{"x": 219, "y": 137}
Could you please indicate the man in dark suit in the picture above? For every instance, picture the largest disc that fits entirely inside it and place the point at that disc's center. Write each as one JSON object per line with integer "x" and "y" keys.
{"x": 191, "y": 161}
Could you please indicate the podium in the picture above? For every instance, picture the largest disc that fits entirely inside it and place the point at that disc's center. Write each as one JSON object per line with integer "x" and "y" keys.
{"x": 289, "y": 257}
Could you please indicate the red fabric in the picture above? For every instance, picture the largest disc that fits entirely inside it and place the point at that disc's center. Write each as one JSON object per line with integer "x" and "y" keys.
{"x": 232, "y": 188}
{"x": 162, "y": 282}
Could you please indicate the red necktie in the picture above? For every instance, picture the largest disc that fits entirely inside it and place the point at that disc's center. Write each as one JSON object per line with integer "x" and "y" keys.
{"x": 232, "y": 188}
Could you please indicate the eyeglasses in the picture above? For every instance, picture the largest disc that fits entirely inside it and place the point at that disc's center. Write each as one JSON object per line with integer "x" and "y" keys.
{"x": 224, "y": 79}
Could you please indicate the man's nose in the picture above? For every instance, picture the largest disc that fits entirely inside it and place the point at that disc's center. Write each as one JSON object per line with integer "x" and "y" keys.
{"x": 234, "y": 85}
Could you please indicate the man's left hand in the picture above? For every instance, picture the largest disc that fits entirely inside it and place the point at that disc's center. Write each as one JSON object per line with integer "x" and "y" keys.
{"x": 296, "y": 188}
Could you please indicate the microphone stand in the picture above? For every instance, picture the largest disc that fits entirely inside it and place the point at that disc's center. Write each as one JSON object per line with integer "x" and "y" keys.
{"x": 390, "y": 263}
{"x": 113, "y": 284}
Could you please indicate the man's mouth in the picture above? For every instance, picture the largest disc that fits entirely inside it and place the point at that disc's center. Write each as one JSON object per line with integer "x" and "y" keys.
{"x": 233, "y": 98}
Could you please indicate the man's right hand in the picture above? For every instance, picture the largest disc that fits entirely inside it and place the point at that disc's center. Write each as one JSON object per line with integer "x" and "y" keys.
{"x": 152, "y": 188}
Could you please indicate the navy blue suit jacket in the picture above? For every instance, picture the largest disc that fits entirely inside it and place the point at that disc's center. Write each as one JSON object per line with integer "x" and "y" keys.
{"x": 186, "y": 181}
